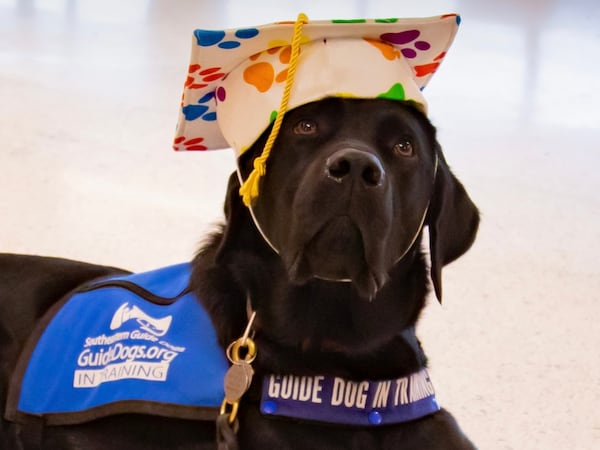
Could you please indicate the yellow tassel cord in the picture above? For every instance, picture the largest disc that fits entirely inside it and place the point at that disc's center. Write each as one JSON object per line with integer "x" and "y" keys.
{"x": 249, "y": 190}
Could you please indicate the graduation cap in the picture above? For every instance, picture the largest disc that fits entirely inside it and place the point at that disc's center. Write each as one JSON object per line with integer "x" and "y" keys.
{"x": 241, "y": 80}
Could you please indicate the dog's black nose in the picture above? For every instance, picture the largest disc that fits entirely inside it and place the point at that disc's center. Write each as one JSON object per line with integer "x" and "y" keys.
{"x": 350, "y": 164}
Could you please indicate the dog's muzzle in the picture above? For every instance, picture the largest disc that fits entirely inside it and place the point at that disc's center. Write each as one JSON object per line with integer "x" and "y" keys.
{"x": 350, "y": 165}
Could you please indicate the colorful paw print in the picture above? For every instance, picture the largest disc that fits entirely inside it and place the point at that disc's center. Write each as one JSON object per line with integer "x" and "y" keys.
{"x": 208, "y": 38}
{"x": 410, "y": 52}
{"x": 262, "y": 74}
{"x": 387, "y": 20}
{"x": 180, "y": 143}
{"x": 406, "y": 37}
{"x": 199, "y": 78}
{"x": 396, "y": 92}
{"x": 388, "y": 51}
{"x": 201, "y": 110}
{"x": 426, "y": 69}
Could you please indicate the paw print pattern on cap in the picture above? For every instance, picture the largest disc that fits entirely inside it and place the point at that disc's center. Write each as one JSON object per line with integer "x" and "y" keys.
{"x": 203, "y": 109}
{"x": 426, "y": 69}
{"x": 236, "y": 77}
{"x": 181, "y": 143}
{"x": 262, "y": 74}
{"x": 406, "y": 37}
{"x": 208, "y": 38}
{"x": 388, "y": 51}
{"x": 199, "y": 78}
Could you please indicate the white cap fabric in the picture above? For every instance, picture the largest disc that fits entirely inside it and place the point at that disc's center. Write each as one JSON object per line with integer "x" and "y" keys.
{"x": 236, "y": 77}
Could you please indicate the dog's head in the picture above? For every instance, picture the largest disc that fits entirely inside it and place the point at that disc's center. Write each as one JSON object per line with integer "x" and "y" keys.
{"x": 349, "y": 186}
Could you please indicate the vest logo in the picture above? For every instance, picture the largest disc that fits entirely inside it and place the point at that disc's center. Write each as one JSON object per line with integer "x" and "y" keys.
{"x": 157, "y": 327}
{"x": 143, "y": 353}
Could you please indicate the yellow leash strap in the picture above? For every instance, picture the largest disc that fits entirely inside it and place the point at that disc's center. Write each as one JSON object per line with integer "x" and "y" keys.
{"x": 249, "y": 190}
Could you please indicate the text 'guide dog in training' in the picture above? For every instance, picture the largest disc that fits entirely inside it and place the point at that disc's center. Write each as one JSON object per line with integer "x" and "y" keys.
{"x": 294, "y": 326}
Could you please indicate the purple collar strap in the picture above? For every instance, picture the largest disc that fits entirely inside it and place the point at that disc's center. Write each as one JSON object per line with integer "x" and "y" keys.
{"x": 340, "y": 401}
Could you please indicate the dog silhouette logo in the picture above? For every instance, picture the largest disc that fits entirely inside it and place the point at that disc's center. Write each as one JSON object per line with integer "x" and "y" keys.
{"x": 125, "y": 313}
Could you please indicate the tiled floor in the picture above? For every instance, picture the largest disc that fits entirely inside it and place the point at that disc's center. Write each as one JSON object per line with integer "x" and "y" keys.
{"x": 89, "y": 95}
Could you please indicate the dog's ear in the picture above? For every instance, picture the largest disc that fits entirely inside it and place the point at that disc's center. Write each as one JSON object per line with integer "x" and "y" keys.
{"x": 453, "y": 220}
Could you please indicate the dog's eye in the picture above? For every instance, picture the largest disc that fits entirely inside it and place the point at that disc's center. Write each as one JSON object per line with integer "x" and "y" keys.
{"x": 305, "y": 127}
{"x": 404, "y": 148}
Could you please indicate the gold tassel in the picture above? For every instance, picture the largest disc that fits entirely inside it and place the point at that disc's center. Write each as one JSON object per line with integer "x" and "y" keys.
{"x": 250, "y": 189}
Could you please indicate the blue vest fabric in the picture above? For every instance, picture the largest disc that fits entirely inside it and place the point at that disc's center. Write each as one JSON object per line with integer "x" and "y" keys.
{"x": 135, "y": 343}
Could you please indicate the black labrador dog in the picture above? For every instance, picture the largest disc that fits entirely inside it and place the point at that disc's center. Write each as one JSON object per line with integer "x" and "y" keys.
{"x": 329, "y": 257}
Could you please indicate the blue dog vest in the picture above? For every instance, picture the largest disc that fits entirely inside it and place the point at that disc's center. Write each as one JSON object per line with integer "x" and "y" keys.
{"x": 143, "y": 343}
{"x": 137, "y": 343}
